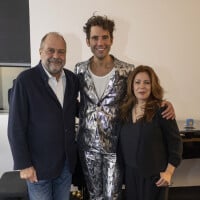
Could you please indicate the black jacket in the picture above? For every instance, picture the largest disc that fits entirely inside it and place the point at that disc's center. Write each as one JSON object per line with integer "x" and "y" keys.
{"x": 42, "y": 133}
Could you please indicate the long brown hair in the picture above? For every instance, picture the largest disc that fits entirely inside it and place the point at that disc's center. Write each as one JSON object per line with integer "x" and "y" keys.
{"x": 130, "y": 99}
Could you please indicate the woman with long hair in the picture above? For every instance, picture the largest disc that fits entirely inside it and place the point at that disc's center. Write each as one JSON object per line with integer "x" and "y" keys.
{"x": 150, "y": 145}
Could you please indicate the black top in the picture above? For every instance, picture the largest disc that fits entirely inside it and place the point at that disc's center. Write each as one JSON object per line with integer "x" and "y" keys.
{"x": 150, "y": 146}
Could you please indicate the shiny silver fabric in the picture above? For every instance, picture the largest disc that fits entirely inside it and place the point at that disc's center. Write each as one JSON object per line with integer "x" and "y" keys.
{"x": 102, "y": 175}
{"x": 97, "y": 118}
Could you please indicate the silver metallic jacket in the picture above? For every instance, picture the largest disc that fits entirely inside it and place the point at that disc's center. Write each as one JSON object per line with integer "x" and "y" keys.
{"x": 97, "y": 115}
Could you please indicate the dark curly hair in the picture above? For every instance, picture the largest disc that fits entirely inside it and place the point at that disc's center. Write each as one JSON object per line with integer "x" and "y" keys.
{"x": 101, "y": 21}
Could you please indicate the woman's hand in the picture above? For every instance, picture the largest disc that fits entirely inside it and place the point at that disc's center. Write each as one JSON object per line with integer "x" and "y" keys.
{"x": 166, "y": 176}
{"x": 165, "y": 179}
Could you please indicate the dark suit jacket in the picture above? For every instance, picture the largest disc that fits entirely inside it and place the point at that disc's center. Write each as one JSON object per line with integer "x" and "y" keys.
{"x": 42, "y": 133}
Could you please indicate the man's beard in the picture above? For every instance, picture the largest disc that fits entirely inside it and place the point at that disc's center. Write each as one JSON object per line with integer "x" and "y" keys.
{"x": 55, "y": 61}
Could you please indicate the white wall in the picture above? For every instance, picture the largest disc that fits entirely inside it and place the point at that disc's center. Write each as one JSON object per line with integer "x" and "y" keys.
{"x": 6, "y": 161}
{"x": 161, "y": 33}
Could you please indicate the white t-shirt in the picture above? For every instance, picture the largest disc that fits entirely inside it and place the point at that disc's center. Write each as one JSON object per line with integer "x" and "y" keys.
{"x": 101, "y": 82}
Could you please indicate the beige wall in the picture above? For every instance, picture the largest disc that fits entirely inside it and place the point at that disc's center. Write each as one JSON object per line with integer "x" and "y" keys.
{"x": 160, "y": 33}
{"x": 1, "y": 88}
{"x": 7, "y": 75}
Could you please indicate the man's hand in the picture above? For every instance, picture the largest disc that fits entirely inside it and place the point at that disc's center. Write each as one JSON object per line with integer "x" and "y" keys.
{"x": 29, "y": 174}
{"x": 169, "y": 112}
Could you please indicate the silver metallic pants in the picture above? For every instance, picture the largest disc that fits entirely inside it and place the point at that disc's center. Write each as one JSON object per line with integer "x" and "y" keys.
{"x": 102, "y": 175}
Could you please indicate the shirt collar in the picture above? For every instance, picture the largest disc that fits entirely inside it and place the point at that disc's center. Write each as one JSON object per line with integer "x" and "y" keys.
{"x": 50, "y": 76}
